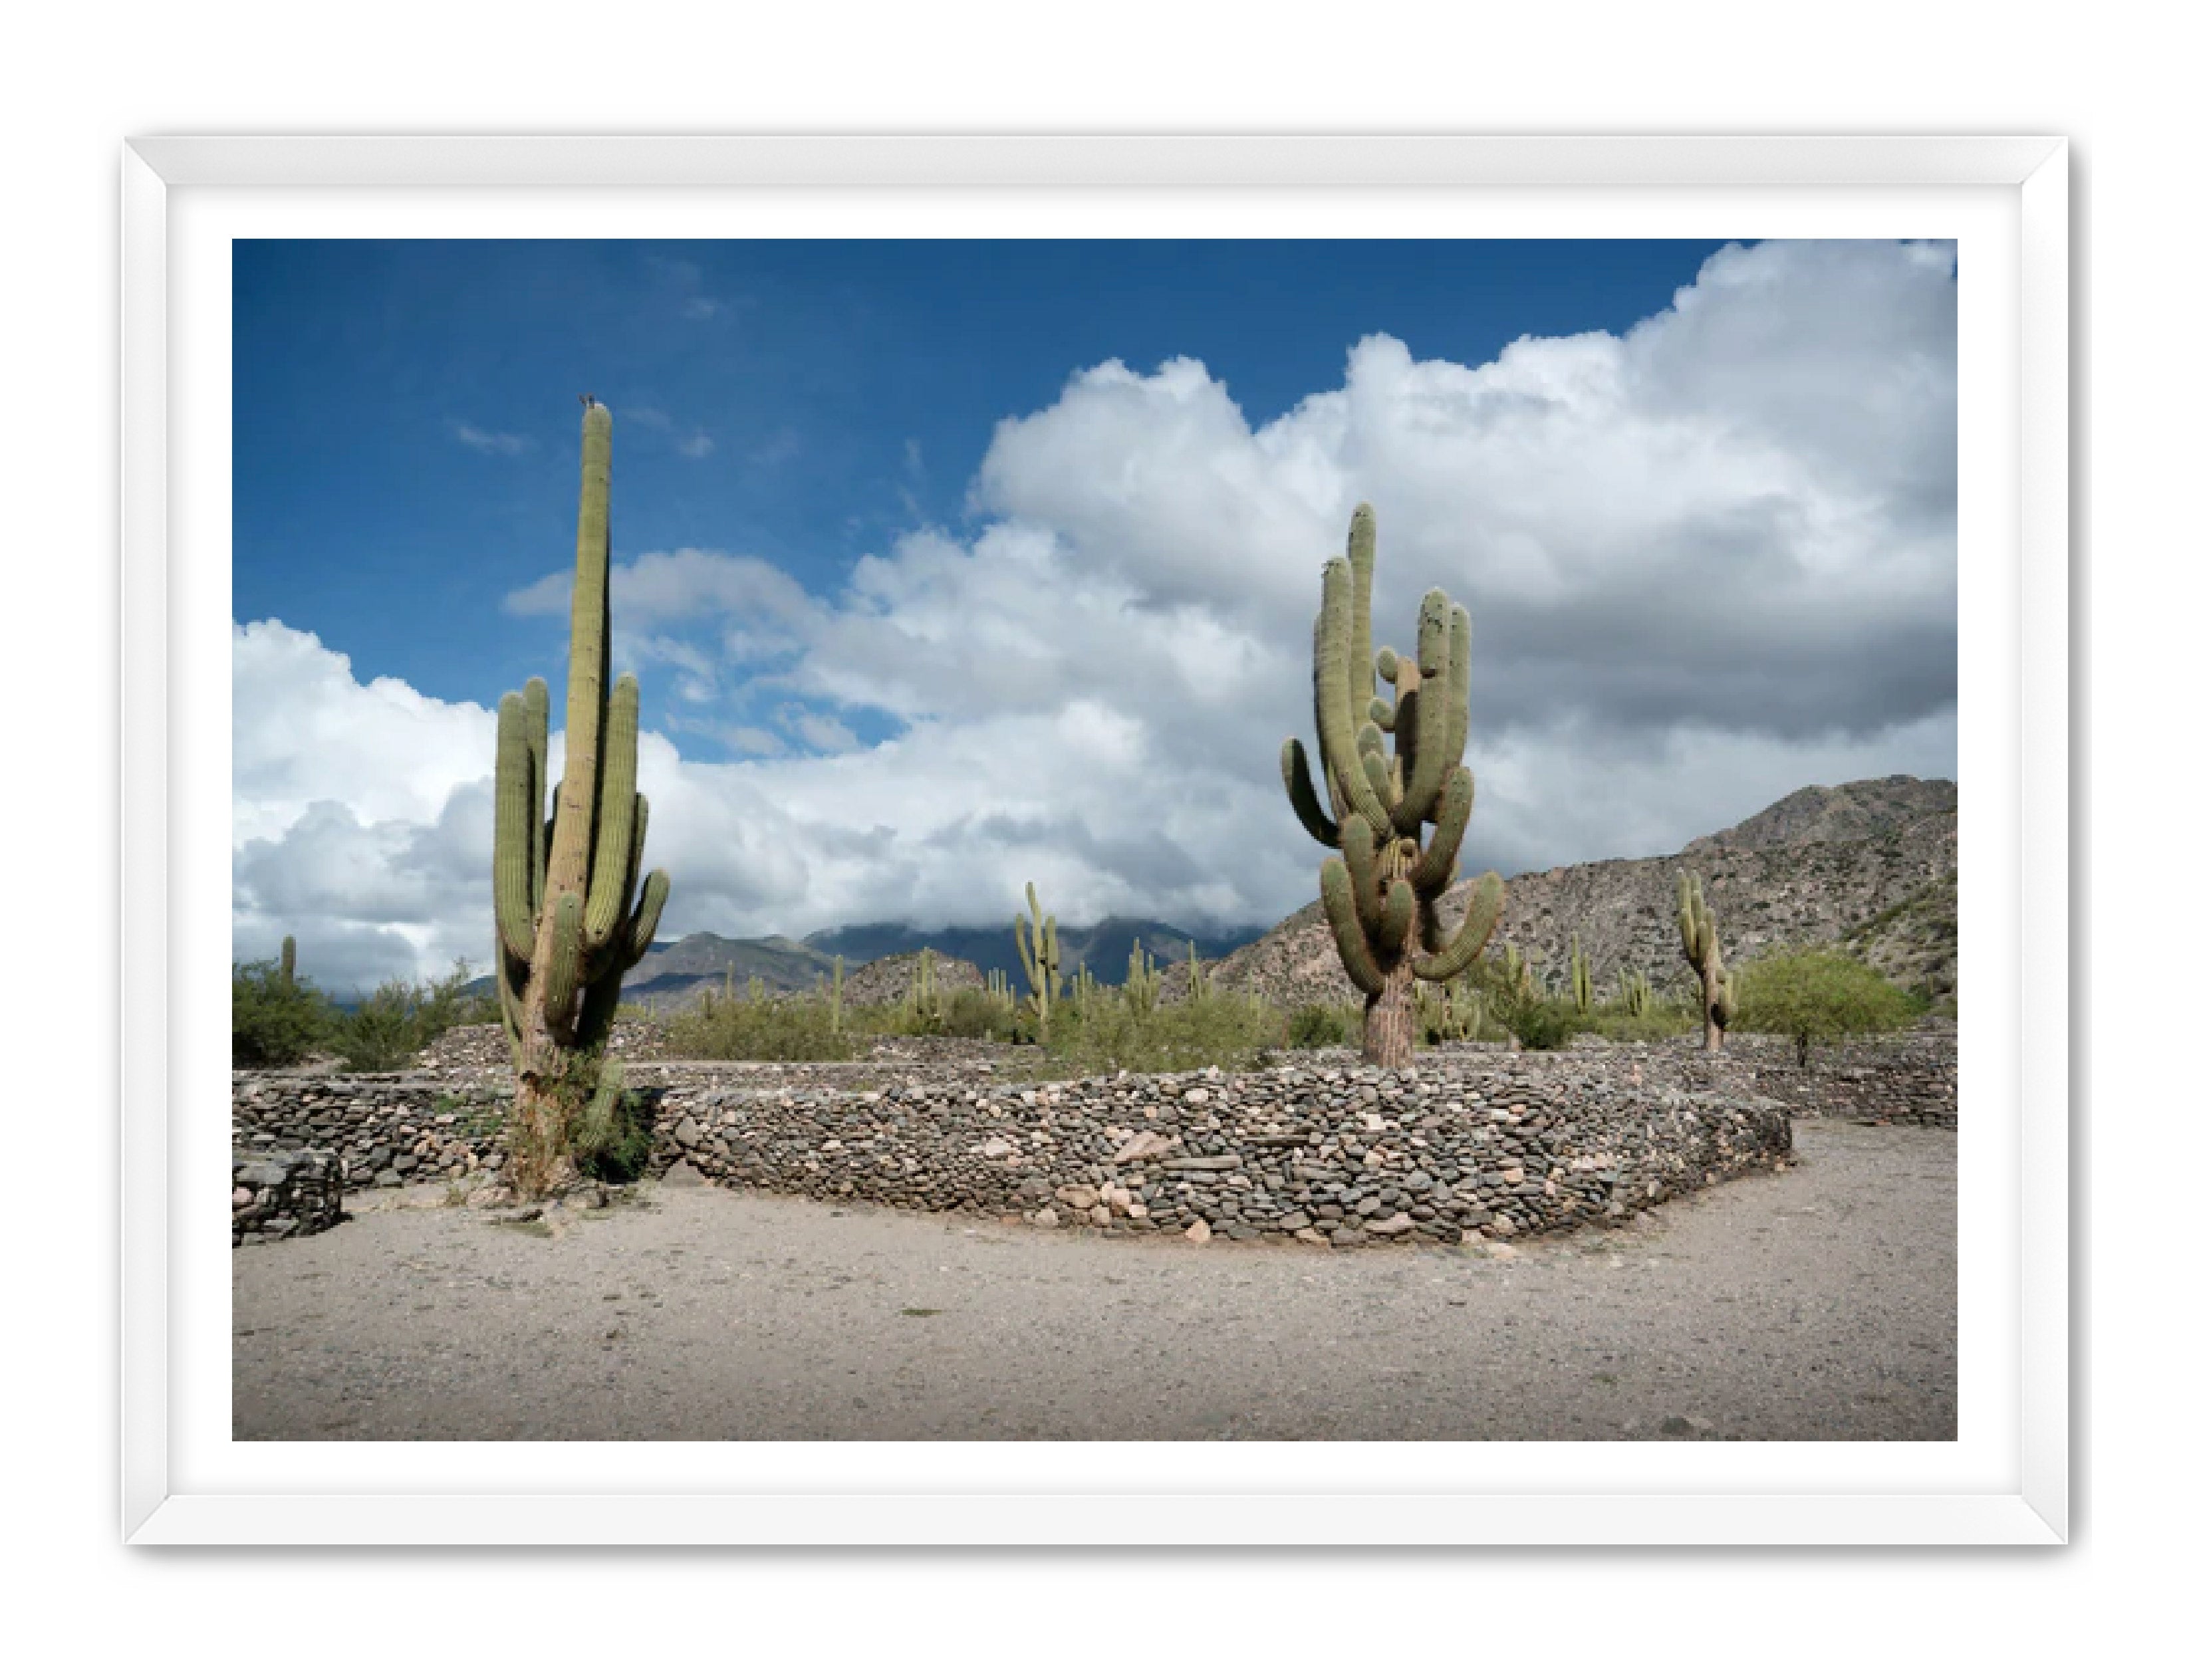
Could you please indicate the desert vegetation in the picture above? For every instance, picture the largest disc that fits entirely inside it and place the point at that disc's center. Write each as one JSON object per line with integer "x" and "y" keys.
{"x": 1818, "y": 996}
{"x": 279, "y": 1019}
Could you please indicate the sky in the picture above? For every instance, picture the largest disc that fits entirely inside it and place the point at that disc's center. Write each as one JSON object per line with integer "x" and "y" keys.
{"x": 949, "y": 565}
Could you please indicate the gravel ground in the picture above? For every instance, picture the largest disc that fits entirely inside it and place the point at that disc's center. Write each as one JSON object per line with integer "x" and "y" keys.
{"x": 1813, "y": 1304}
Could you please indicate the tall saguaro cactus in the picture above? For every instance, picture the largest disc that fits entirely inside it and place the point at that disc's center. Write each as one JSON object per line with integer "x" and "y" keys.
{"x": 571, "y": 912}
{"x": 1040, "y": 956}
{"x": 1398, "y": 806}
{"x": 1699, "y": 944}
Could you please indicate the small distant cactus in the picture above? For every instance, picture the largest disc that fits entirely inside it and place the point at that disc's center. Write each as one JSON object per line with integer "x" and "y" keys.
{"x": 1514, "y": 975}
{"x": 1636, "y": 994}
{"x": 1380, "y": 893}
{"x": 836, "y": 998}
{"x": 922, "y": 1007}
{"x": 289, "y": 960}
{"x": 1142, "y": 987}
{"x": 1698, "y": 945}
{"x": 1578, "y": 977}
{"x": 1040, "y": 954}
{"x": 1451, "y": 1015}
{"x": 1197, "y": 986}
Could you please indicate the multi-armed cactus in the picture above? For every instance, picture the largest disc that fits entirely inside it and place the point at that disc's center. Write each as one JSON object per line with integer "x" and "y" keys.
{"x": 1699, "y": 944}
{"x": 1578, "y": 979}
{"x": 569, "y": 909}
{"x": 1636, "y": 997}
{"x": 1044, "y": 965}
{"x": 1198, "y": 984}
{"x": 1381, "y": 893}
{"x": 1143, "y": 986}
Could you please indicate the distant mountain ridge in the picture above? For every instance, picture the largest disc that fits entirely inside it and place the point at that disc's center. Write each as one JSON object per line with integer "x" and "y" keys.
{"x": 1868, "y": 865}
{"x": 1107, "y": 947}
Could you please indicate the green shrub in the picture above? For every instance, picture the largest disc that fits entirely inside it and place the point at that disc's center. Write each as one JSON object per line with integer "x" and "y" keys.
{"x": 969, "y": 1012}
{"x": 1654, "y": 1023}
{"x": 1541, "y": 1023}
{"x": 1315, "y": 1026}
{"x": 1818, "y": 995}
{"x": 802, "y": 1028}
{"x": 275, "y": 1021}
{"x": 612, "y": 1147}
{"x": 1100, "y": 1029}
{"x": 387, "y": 1029}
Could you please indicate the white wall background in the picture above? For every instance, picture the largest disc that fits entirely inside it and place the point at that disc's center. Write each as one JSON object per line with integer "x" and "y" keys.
{"x": 82, "y": 80}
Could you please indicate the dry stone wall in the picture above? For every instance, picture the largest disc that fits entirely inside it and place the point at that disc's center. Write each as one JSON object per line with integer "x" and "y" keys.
{"x": 1472, "y": 1143}
{"x": 1325, "y": 1151}
{"x": 284, "y": 1194}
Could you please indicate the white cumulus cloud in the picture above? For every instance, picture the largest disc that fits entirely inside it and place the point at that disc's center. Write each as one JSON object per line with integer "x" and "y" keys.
{"x": 1709, "y": 561}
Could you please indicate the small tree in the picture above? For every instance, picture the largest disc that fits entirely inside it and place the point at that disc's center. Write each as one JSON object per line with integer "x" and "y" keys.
{"x": 387, "y": 1029}
{"x": 1819, "y": 995}
{"x": 274, "y": 1019}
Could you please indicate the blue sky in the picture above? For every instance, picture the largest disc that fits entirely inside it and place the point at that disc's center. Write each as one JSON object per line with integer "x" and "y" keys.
{"x": 947, "y": 566}
{"x": 813, "y": 398}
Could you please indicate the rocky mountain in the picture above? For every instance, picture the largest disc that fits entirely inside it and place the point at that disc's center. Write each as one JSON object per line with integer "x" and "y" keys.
{"x": 1869, "y": 865}
{"x": 667, "y": 974}
{"x": 1107, "y": 947}
{"x": 1854, "y": 811}
{"x": 887, "y": 979}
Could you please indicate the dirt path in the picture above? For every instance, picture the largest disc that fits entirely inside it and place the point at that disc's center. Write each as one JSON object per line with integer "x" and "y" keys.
{"x": 1816, "y": 1305}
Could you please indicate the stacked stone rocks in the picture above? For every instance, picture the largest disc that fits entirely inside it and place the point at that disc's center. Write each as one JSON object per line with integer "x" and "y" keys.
{"x": 387, "y": 1129}
{"x": 285, "y": 1193}
{"x": 1472, "y": 1143}
{"x": 1911, "y": 1080}
{"x": 1316, "y": 1153}
{"x": 485, "y": 1049}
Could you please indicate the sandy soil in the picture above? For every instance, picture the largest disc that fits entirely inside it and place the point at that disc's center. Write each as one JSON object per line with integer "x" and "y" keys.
{"x": 1814, "y": 1304}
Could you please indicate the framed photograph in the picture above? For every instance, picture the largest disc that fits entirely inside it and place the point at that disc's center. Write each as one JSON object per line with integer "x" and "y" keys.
{"x": 987, "y": 511}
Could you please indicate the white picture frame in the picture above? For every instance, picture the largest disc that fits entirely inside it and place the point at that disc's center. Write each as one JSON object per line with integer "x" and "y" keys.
{"x": 2025, "y": 1502}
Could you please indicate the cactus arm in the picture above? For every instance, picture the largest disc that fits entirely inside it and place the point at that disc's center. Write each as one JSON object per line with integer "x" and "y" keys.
{"x": 1474, "y": 931}
{"x": 568, "y": 862}
{"x": 1379, "y": 782}
{"x": 515, "y": 840}
{"x": 602, "y": 1109}
{"x": 598, "y": 1012}
{"x": 1432, "y": 872}
{"x": 1334, "y": 712}
{"x": 1293, "y": 765}
{"x": 1425, "y": 754}
{"x": 1398, "y": 919}
{"x": 562, "y": 958}
{"x": 1458, "y": 680}
{"x": 637, "y": 842}
{"x": 1360, "y": 565}
{"x": 1359, "y": 846}
{"x": 610, "y": 885}
{"x": 1344, "y": 917}
{"x": 1025, "y": 954}
{"x": 648, "y": 917}
{"x": 509, "y": 990}
{"x": 536, "y": 746}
